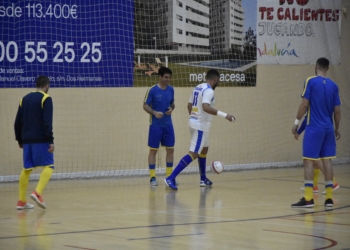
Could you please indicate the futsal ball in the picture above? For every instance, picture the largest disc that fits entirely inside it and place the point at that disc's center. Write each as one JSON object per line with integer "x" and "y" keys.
{"x": 217, "y": 167}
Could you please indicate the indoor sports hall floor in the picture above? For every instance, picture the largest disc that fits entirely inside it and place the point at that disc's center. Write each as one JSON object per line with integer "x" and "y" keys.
{"x": 243, "y": 210}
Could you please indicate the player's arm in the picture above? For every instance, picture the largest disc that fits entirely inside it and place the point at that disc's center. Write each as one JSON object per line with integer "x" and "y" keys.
{"x": 208, "y": 95}
{"x": 337, "y": 116}
{"x": 146, "y": 105}
{"x": 150, "y": 111}
{"x": 210, "y": 110}
{"x": 300, "y": 129}
{"x": 302, "y": 126}
{"x": 170, "y": 109}
{"x": 301, "y": 111}
{"x": 172, "y": 105}
{"x": 47, "y": 119}
{"x": 189, "y": 107}
{"x": 18, "y": 126}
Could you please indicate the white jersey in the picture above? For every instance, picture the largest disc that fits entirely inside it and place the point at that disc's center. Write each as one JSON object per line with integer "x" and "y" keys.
{"x": 199, "y": 119}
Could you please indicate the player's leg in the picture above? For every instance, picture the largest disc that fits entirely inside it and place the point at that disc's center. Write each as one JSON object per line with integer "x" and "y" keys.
{"x": 312, "y": 142}
{"x": 196, "y": 146}
{"x": 308, "y": 179}
{"x": 169, "y": 161}
{"x": 24, "y": 178}
{"x": 42, "y": 158}
{"x": 152, "y": 166}
{"x": 168, "y": 141}
{"x": 328, "y": 151}
{"x": 317, "y": 169}
{"x": 154, "y": 137}
{"x": 202, "y": 162}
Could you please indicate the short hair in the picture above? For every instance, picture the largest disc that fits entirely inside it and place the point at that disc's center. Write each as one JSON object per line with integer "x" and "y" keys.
{"x": 211, "y": 74}
{"x": 42, "y": 81}
{"x": 322, "y": 63}
{"x": 164, "y": 70}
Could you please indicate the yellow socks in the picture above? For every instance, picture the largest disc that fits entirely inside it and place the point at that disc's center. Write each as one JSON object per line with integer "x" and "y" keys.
{"x": 308, "y": 190}
{"x": 44, "y": 179}
{"x": 152, "y": 170}
{"x": 169, "y": 169}
{"x": 23, "y": 184}
{"x": 329, "y": 190}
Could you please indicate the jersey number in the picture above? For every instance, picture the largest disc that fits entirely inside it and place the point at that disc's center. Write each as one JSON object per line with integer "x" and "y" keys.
{"x": 195, "y": 98}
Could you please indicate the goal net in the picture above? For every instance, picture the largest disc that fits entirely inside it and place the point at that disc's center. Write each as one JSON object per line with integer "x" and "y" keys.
{"x": 101, "y": 57}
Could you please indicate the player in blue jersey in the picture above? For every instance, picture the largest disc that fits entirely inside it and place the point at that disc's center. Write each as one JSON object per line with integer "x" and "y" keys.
{"x": 321, "y": 101}
{"x": 159, "y": 103}
{"x": 201, "y": 110}
{"x": 33, "y": 130}
{"x": 317, "y": 164}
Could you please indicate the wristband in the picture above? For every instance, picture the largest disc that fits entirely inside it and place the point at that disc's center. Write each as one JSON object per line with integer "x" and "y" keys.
{"x": 296, "y": 122}
{"x": 222, "y": 114}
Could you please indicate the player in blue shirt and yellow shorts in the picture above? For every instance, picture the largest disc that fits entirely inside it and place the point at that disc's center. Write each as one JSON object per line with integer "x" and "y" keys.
{"x": 159, "y": 103}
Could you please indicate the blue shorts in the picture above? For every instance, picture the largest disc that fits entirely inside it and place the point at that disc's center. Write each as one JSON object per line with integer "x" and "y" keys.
{"x": 319, "y": 143}
{"x": 36, "y": 155}
{"x": 161, "y": 135}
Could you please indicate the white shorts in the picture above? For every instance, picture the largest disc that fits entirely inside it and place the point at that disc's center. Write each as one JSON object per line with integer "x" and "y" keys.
{"x": 199, "y": 140}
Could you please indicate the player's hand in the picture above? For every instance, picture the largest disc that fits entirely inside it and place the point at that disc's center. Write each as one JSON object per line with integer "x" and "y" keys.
{"x": 337, "y": 134}
{"x": 230, "y": 118}
{"x": 52, "y": 148}
{"x": 296, "y": 136}
{"x": 20, "y": 145}
{"x": 169, "y": 111}
{"x": 295, "y": 129}
{"x": 158, "y": 114}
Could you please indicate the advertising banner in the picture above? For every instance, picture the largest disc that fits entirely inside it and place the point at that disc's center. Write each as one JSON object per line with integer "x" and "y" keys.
{"x": 74, "y": 43}
{"x": 298, "y": 31}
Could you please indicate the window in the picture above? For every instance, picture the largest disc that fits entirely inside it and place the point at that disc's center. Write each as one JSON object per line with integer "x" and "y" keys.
{"x": 179, "y": 4}
{"x": 178, "y": 31}
{"x": 178, "y": 17}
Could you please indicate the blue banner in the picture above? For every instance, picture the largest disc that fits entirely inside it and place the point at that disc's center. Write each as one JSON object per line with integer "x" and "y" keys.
{"x": 74, "y": 43}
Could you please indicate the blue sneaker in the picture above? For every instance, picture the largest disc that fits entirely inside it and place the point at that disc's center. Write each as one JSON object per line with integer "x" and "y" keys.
{"x": 205, "y": 183}
{"x": 170, "y": 183}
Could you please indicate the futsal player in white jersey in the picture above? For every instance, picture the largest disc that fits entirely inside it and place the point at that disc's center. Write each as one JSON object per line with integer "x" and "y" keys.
{"x": 201, "y": 110}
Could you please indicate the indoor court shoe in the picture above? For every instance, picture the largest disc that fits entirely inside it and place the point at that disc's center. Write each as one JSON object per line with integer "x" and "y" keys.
{"x": 314, "y": 189}
{"x": 38, "y": 199}
{"x": 335, "y": 187}
{"x": 170, "y": 183}
{"x": 205, "y": 183}
{"x": 24, "y": 205}
{"x": 153, "y": 181}
{"x": 329, "y": 203}
{"x": 303, "y": 203}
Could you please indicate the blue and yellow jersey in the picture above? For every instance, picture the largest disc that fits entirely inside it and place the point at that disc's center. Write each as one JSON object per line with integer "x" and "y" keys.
{"x": 33, "y": 122}
{"x": 323, "y": 96}
{"x": 160, "y": 100}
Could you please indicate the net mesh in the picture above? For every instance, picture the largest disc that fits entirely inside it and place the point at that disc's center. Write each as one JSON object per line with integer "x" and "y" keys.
{"x": 100, "y": 128}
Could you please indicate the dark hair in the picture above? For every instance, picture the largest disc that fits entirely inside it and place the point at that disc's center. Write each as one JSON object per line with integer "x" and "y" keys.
{"x": 42, "y": 81}
{"x": 164, "y": 70}
{"x": 322, "y": 63}
{"x": 211, "y": 74}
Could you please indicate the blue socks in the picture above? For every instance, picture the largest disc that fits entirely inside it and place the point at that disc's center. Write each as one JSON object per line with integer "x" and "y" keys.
{"x": 184, "y": 162}
{"x": 202, "y": 165}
